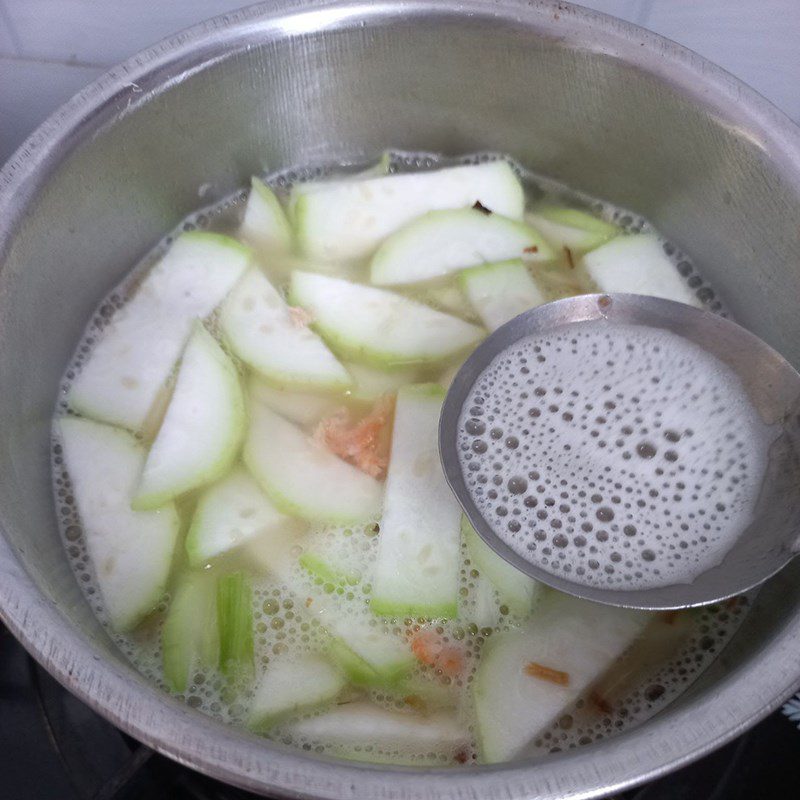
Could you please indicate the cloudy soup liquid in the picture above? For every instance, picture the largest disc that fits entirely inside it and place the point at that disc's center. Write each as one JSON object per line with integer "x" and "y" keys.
{"x": 428, "y": 712}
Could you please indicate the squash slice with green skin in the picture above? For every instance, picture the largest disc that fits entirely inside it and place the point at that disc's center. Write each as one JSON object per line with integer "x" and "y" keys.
{"x": 571, "y": 227}
{"x": 529, "y": 676}
{"x": 233, "y": 511}
{"x": 264, "y": 225}
{"x": 347, "y": 219}
{"x": 440, "y": 243}
{"x": 379, "y": 327}
{"x": 131, "y": 551}
{"x": 637, "y": 264}
{"x": 131, "y": 363}
{"x": 499, "y": 292}
{"x": 371, "y": 659}
{"x": 387, "y": 736}
{"x": 202, "y": 429}
{"x": 417, "y": 568}
{"x": 516, "y": 590}
{"x": 328, "y": 570}
{"x": 261, "y": 330}
{"x": 291, "y": 684}
{"x": 301, "y": 477}
{"x": 366, "y": 653}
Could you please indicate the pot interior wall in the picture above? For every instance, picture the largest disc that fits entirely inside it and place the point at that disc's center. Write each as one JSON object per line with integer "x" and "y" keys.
{"x": 557, "y": 104}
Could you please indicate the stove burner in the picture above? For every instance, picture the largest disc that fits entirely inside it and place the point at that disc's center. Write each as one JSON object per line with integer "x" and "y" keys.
{"x": 53, "y": 747}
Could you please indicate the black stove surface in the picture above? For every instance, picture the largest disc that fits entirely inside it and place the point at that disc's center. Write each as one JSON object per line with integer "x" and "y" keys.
{"x": 52, "y": 747}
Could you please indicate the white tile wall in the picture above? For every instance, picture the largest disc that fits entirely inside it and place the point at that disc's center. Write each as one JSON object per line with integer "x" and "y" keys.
{"x": 50, "y": 48}
{"x": 756, "y": 40}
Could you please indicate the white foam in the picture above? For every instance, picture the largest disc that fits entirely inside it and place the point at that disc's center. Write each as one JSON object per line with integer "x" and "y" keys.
{"x": 613, "y": 455}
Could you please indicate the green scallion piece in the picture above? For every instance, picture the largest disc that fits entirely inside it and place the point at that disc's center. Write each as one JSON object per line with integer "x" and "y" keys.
{"x": 235, "y": 623}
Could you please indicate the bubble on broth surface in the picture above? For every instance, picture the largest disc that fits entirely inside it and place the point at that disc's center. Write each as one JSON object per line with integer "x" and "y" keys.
{"x": 641, "y": 454}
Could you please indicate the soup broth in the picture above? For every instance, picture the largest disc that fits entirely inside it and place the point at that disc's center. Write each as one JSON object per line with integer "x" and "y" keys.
{"x": 311, "y": 577}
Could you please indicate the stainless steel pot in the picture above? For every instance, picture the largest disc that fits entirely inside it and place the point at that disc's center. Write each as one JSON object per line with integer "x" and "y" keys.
{"x": 599, "y": 104}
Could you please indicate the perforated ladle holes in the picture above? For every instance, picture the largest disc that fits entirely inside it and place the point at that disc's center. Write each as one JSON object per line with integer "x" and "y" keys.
{"x": 613, "y": 454}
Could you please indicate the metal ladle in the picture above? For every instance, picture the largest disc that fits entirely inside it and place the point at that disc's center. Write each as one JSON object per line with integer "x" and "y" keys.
{"x": 770, "y": 383}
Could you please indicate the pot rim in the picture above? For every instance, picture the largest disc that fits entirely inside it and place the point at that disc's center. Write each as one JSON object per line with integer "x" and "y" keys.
{"x": 117, "y": 692}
